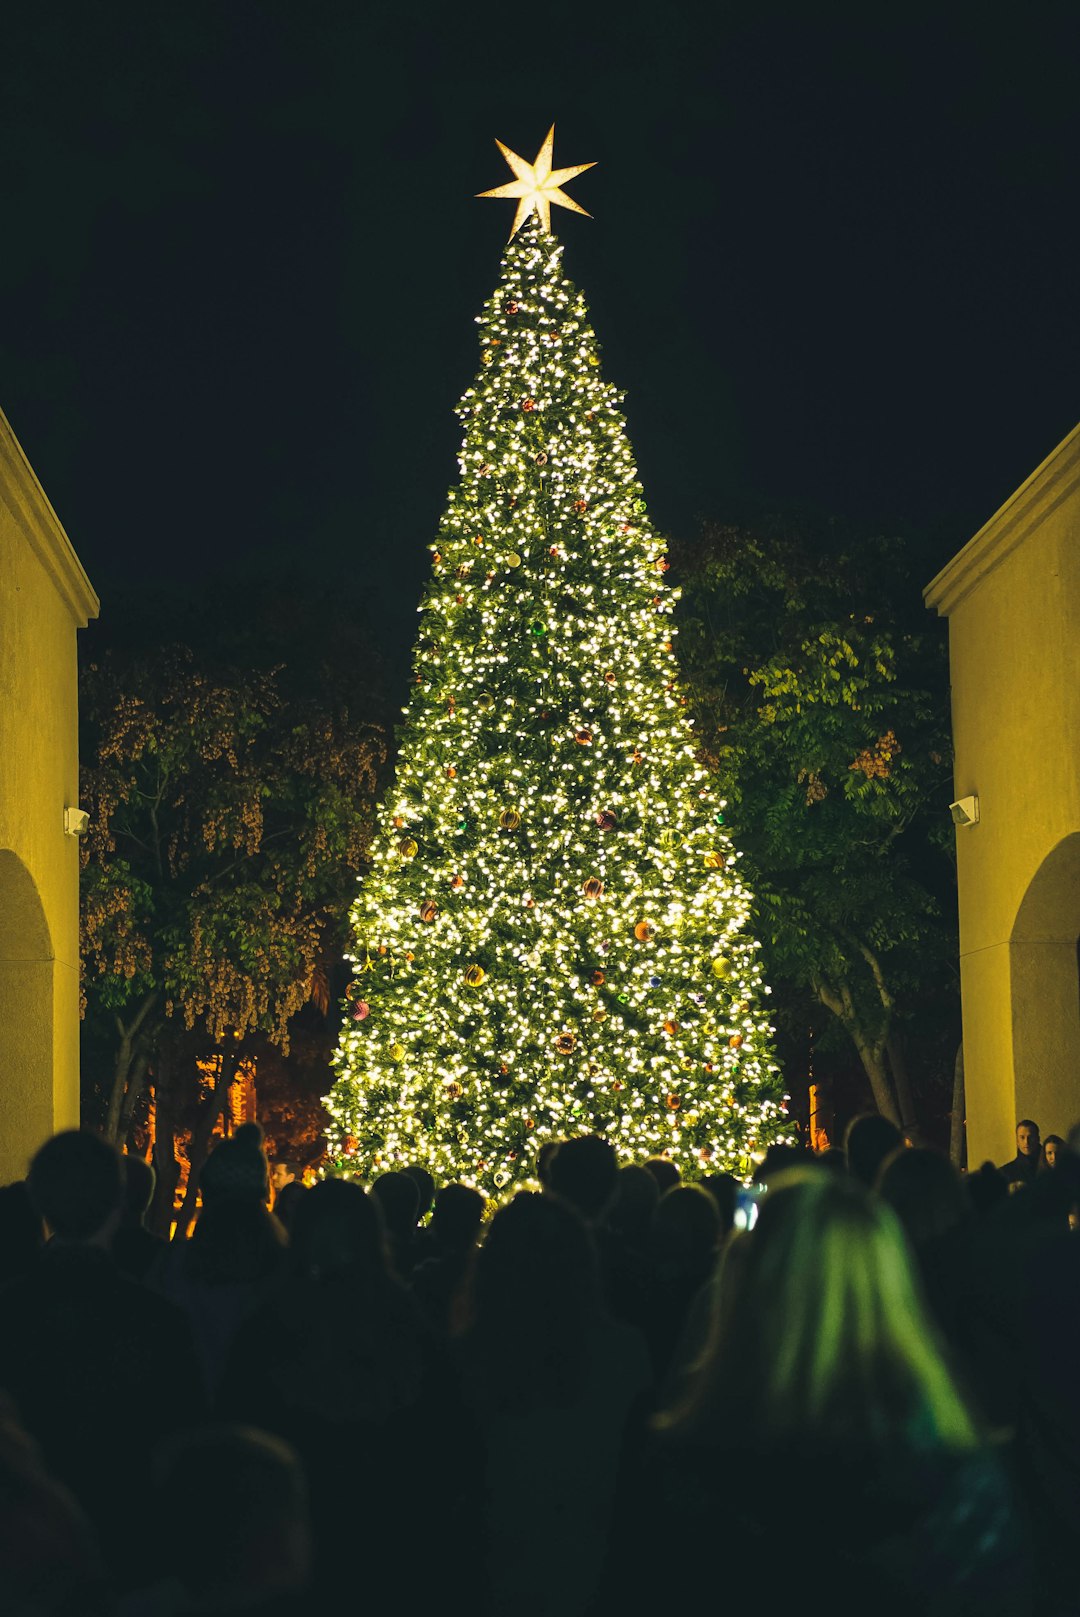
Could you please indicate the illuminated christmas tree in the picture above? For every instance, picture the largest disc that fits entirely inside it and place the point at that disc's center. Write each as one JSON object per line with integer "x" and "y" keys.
{"x": 552, "y": 937}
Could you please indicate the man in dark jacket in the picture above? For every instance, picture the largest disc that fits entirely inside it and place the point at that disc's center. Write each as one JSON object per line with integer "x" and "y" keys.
{"x": 1025, "y": 1165}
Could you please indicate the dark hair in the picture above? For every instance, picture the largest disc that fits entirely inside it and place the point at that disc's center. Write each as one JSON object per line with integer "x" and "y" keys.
{"x": 1059, "y": 1145}
{"x": 636, "y": 1196}
{"x": 287, "y": 1200}
{"x": 76, "y": 1184}
{"x": 337, "y": 1227}
{"x": 139, "y": 1182}
{"x": 986, "y": 1188}
{"x": 722, "y": 1187}
{"x": 455, "y": 1223}
{"x": 1028, "y": 1123}
{"x": 544, "y": 1158}
{"x": 236, "y": 1239}
{"x": 425, "y": 1187}
{"x": 237, "y": 1168}
{"x": 868, "y": 1140}
{"x": 685, "y": 1228}
{"x": 583, "y": 1173}
{"x": 663, "y": 1171}
{"x": 292, "y": 1168}
{"x": 778, "y": 1158}
{"x": 924, "y": 1191}
{"x": 535, "y": 1290}
{"x": 399, "y": 1198}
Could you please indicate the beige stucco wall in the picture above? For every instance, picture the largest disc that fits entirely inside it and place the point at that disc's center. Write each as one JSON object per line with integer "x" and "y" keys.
{"x": 1012, "y": 597}
{"x": 44, "y": 597}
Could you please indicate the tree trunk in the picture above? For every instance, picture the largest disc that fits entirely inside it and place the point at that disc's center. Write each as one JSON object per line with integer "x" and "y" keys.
{"x": 201, "y": 1135}
{"x": 133, "y": 1038}
{"x": 909, "y": 1119}
{"x": 957, "y": 1120}
{"x": 136, "y": 1085}
{"x": 166, "y": 1167}
{"x": 841, "y": 1002}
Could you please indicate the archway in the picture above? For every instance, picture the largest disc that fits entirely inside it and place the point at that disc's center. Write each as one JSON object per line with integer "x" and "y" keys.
{"x": 1045, "y": 992}
{"x": 26, "y": 1019}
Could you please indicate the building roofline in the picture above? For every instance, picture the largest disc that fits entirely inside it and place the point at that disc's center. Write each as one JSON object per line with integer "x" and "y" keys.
{"x": 1033, "y": 501}
{"x": 32, "y": 511}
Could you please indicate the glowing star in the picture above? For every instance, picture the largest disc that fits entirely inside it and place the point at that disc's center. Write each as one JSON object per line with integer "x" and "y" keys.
{"x": 537, "y": 185}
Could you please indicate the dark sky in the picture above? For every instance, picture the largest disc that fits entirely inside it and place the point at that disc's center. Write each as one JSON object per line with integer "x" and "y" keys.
{"x": 833, "y": 261}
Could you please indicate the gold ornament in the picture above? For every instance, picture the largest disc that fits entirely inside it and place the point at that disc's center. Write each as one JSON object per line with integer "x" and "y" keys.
{"x": 721, "y": 966}
{"x": 643, "y": 931}
{"x": 397, "y": 1052}
{"x": 593, "y": 888}
{"x": 513, "y": 560}
{"x": 408, "y": 848}
{"x": 565, "y": 1043}
{"x": 509, "y": 819}
{"x": 428, "y": 910}
{"x": 537, "y": 185}
{"x": 714, "y": 861}
{"x": 474, "y": 976}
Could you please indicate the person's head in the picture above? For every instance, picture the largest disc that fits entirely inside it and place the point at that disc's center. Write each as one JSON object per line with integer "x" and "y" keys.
{"x": 1027, "y": 1138}
{"x": 636, "y": 1196}
{"x": 820, "y": 1332}
{"x": 76, "y": 1184}
{"x": 338, "y": 1228}
{"x": 986, "y": 1189}
{"x": 139, "y": 1182}
{"x": 544, "y": 1158}
{"x": 1052, "y": 1146}
{"x": 925, "y": 1192}
{"x": 534, "y": 1290}
{"x": 399, "y": 1199}
{"x": 455, "y": 1223}
{"x": 583, "y": 1173}
{"x": 425, "y": 1188}
{"x": 287, "y": 1200}
{"x": 685, "y": 1232}
{"x": 236, "y": 1170}
{"x": 868, "y": 1140}
{"x": 776, "y": 1160}
{"x": 284, "y": 1173}
{"x": 663, "y": 1171}
{"x": 250, "y": 1487}
{"x": 723, "y": 1188}
{"x": 49, "y": 1564}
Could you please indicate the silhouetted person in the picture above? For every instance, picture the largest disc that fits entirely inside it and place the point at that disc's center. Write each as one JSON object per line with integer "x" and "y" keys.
{"x": 22, "y": 1234}
{"x": 544, "y": 1158}
{"x": 583, "y": 1172}
{"x": 420, "y": 1246}
{"x": 398, "y": 1199}
{"x": 231, "y": 1527}
{"x": 454, "y": 1232}
{"x": 98, "y": 1367}
{"x": 986, "y": 1189}
{"x": 1025, "y": 1165}
{"x": 822, "y": 1388}
{"x": 340, "y": 1364}
{"x": 286, "y": 1202}
{"x": 134, "y": 1249}
{"x": 623, "y": 1243}
{"x": 723, "y": 1187}
{"x": 684, "y": 1239}
{"x": 868, "y": 1140}
{"x": 556, "y": 1384}
{"x": 234, "y": 1255}
{"x": 663, "y": 1171}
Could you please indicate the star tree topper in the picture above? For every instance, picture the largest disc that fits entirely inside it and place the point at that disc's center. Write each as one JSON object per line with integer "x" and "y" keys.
{"x": 537, "y": 185}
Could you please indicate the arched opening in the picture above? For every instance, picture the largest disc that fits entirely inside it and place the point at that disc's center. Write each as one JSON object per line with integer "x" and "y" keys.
{"x": 1045, "y": 990}
{"x": 26, "y": 1019}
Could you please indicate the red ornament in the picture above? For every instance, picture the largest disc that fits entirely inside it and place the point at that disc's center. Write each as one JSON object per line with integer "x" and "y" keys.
{"x": 457, "y": 881}
{"x": 580, "y": 506}
{"x": 606, "y": 820}
{"x": 360, "y": 1010}
{"x": 350, "y": 1145}
{"x": 583, "y": 738}
{"x": 459, "y": 600}
{"x": 673, "y": 1103}
{"x": 670, "y": 1026}
{"x": 511, "y": 308}
{"x": 451, "y": 772}
{"x": 598, "y": 979}
{"x": 528, "y": 404}
{"x": 610, "y": 676}
{"x": 454, "y": 1090}
{"x": 565, "y": 1043}
{"x": 644, "y": 931}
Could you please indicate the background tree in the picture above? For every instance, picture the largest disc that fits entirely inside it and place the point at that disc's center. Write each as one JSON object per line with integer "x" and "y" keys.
{"x": 228, "y": 823}
{"x": 820, "y": 685}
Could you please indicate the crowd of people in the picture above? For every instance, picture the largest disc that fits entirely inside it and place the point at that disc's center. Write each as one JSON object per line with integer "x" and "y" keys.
{"x": 856, "y": 1383}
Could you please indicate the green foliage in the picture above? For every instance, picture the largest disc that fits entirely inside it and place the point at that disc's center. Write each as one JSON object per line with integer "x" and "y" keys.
{"x": 820, "y": 687}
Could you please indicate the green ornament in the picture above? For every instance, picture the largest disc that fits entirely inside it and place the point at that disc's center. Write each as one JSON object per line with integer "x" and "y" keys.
{"x": 536, "y": 627}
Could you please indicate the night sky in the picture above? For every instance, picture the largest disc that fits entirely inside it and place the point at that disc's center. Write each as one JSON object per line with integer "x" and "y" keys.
{"x": 833, "y": 261}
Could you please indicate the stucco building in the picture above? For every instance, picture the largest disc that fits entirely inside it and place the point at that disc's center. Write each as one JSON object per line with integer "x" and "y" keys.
{"x": 1012, "y": 597}
{"x": 44, "y": 598}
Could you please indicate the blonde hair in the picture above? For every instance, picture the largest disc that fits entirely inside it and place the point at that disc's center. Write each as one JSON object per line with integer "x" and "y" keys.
{"x": 819, "y": 1332}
